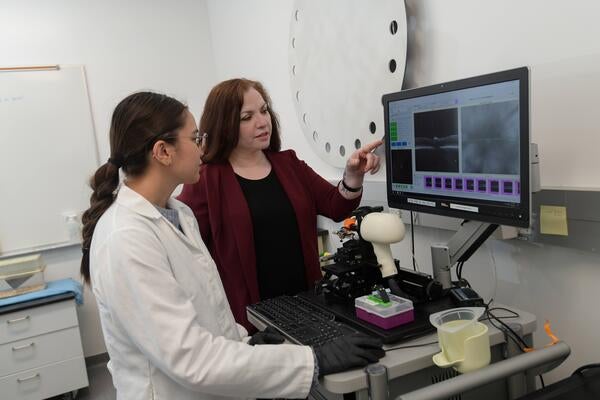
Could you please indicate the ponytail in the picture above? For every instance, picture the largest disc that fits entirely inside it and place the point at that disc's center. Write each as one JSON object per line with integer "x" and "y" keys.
{"x": 104, "y": 183}
{"x": 138, "y": 121}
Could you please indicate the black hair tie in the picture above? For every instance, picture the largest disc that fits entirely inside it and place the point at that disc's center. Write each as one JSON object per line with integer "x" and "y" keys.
{"x": 116, "y": 161}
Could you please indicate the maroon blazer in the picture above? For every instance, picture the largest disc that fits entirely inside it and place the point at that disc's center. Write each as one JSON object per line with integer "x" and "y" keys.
{"x": 226, "y": 225}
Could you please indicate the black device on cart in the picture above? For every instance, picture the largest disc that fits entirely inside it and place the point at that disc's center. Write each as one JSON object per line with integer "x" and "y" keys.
{"x": 356, "y": 271}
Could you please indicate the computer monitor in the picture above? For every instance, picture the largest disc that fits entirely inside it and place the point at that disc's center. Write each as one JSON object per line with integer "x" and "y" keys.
{"x": 461, "y": 148}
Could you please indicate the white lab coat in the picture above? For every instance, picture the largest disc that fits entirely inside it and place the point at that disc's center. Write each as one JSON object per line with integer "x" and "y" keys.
{"x": 168, "y": 328}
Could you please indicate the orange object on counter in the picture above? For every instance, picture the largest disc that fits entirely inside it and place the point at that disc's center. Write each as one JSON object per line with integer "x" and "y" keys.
{"x": 553, "y": 338}
{"x": 350, "y": 223}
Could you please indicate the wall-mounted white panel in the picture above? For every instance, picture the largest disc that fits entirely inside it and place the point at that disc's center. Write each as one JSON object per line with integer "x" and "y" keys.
{"x": 343, "y": 55}
{"x": 47, "y": 156}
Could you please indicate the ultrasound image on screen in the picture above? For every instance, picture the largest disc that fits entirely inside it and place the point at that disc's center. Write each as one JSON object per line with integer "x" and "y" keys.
{"x": 436, "y": 140}
{"x": 402, "y": 166}
{"x": 490, "y": 138}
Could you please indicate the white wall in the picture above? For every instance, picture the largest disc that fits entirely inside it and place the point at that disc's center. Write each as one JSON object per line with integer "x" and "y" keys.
{"x": 125, "y": 47}
{"x": 450, "y": 40}
{"x": 250, "y": 40}
{"x": 461, "y": 38}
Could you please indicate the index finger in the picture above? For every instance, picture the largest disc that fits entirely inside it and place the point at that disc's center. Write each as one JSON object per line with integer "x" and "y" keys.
{"x": 372, "y": 146}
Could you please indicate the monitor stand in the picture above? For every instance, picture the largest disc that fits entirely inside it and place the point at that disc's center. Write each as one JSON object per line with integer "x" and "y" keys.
{"x": 459, "y": 248}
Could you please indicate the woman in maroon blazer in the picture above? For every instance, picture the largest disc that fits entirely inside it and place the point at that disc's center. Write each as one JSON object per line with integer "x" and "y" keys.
{"x": 257, "y": 206}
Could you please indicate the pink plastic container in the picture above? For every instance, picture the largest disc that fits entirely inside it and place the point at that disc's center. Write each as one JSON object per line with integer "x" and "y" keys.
{"x": 398, "y": 311}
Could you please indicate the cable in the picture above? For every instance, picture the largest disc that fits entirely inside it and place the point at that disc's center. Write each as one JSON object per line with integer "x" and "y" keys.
{"x": 507, "y": 329}
{"x": 513, "y": 336}
{"x": 514, "y": 313}
{"x": 516, "y": 338}
{"x": 491, "y": 248}
{"x": 459, "y": 268}
{"x": 462, "y": 282}
{"x": 412, "y": 240}
{"x": 585, "y": 367}
{"x": 509, "y": 336}
{"x": 411, "y": 346}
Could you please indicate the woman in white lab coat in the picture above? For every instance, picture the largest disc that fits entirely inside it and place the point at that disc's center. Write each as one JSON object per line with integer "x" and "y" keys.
{"x": 168, "y": 328}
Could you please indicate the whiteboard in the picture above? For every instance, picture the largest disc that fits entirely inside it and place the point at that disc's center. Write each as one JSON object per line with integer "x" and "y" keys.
{"x": 47, "y": 155}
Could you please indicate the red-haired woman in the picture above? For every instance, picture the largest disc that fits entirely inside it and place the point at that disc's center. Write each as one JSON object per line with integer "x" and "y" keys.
{"x": 257, "y": 206}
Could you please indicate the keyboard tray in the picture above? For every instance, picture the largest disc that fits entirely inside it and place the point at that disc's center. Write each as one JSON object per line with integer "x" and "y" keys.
{"x": 313, "y": 320}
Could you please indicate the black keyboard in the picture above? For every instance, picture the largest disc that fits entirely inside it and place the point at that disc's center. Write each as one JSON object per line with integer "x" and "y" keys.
{"x": 299, "y": 320}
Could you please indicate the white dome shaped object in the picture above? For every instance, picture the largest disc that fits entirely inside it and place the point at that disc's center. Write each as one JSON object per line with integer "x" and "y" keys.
{"x": 343, "y": 55}
{"x": 381, "y": 229}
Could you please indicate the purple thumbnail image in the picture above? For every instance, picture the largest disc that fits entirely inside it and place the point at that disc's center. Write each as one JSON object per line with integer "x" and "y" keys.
{"x": 447, "y": 183}
{"x": 482, "y": 186}
{"x": 428, "y": 181}
{"x": 507, "y": 187}
{"x": 469, "y": 184}
{"x": 494, "y": 186}
{"x": 459, "y": 184}
{"x": 438, "y": 182}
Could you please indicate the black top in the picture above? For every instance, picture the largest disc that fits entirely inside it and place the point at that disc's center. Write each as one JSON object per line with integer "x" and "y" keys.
{"x": 279, "y": 259}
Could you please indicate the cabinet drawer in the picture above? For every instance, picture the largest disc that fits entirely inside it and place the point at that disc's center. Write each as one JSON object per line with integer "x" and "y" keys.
{"x": 44, "y": 382}
{"x": 40, "y": 350}
{"x": 36, "y": 321}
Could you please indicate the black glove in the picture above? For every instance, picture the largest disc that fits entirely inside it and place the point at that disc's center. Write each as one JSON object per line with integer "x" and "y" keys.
{"x": 268, "y": 336}
{"x": 352, "y": 351}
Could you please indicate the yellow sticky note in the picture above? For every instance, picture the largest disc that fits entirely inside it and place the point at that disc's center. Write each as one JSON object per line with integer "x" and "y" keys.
{"x": 553, "y": 220}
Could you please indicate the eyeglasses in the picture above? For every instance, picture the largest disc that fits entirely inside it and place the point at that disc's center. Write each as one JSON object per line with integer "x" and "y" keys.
{"x": 198, "y": 138}
{"x": 201, "y": 139}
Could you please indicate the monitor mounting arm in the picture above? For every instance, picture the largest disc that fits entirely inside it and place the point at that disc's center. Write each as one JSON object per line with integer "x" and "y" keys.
{"x": 459, "y": 248}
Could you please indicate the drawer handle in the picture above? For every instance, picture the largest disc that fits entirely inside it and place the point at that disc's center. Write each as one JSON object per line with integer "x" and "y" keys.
{"x": 20, "y": 380}
{"x": 12, "y": 321}
{"x": 17, "y": 348}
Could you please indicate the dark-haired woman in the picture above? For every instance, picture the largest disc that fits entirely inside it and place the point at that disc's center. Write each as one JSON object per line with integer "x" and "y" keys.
{"x": 257, "y": 206}
{"x": 169, "y": 331}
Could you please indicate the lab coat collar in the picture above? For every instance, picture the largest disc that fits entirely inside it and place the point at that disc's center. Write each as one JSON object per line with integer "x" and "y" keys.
{"x": 187, "y": 221}
{"x": 134, "y": 201}
{"x": 137, "y": 203}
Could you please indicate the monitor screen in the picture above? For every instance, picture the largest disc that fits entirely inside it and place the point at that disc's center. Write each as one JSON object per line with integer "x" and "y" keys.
{"x": 461, "y": 148}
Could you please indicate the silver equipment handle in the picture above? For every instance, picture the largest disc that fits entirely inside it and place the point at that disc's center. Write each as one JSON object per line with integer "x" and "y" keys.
{"x": 491, "y": 373}
{"x": 17, "y": 348}
{"x": 28, "y": 378}
{"x": 12, "y": 321}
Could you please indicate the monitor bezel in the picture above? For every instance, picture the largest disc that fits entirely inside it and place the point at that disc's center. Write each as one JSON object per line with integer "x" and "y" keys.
{"x": 492, "y": 213}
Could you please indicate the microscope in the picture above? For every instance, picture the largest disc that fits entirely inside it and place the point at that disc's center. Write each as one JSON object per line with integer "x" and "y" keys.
{"x": 355, "y": 270}
{"x": 364, "y": 262}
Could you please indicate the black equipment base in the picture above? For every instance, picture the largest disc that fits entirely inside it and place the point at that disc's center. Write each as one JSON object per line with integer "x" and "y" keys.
{"x": 345, "y": 312}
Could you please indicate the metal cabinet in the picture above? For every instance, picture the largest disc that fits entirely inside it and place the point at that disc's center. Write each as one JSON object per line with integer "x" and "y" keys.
{"x": 40, "y": 349}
